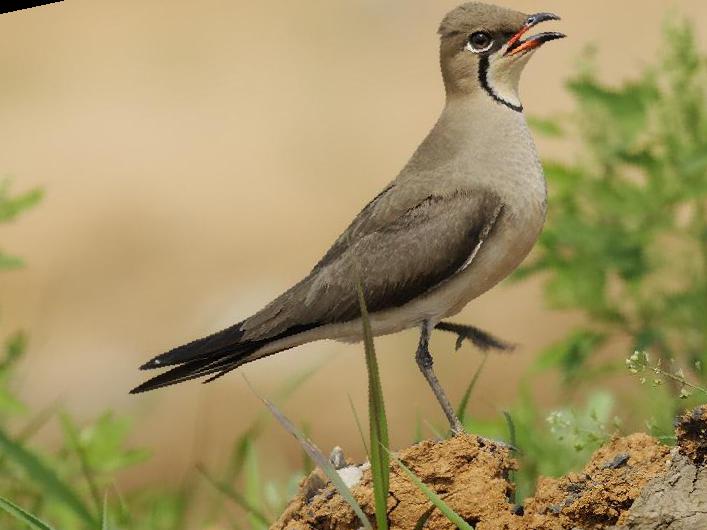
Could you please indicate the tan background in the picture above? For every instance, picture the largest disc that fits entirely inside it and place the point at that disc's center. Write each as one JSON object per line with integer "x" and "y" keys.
{"x": 198, "y": 157}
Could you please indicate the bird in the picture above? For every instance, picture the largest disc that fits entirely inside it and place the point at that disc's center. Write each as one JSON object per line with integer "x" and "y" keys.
{"x": 460, "y": 216}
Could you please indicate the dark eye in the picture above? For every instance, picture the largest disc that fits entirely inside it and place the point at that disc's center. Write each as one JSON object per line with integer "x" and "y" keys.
{"x": 480, "y": 41}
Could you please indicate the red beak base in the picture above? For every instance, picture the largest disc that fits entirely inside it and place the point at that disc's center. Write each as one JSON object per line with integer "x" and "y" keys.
{"x": 517, "y": 45}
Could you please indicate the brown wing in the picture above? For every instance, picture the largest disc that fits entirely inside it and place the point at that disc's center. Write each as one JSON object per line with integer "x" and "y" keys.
{"x": 415, "y": 251}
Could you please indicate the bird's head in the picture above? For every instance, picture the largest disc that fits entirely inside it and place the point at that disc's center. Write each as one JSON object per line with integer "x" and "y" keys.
{"x": 484, "y": 49}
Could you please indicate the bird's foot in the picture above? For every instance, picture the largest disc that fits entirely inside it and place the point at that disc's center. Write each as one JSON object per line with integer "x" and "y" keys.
{"x": 482, "y": 440}
{"x": 478, "y": 337}
{"x": 498, "y": 443}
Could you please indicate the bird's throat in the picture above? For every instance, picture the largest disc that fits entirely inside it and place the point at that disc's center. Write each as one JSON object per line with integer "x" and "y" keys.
{"x": 500, "y": 88}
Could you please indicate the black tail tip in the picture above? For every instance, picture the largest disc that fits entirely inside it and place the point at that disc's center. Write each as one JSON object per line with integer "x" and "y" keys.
{"x": 153, "y": 363}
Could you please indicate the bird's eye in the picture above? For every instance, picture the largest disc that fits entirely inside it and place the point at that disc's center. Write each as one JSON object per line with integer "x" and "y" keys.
{"x": 480, "y": 41}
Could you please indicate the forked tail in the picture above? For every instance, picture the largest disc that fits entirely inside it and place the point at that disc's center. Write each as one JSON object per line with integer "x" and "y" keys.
{"x": 210, "y": 357}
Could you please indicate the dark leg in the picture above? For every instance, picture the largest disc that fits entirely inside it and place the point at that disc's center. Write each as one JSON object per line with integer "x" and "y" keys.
{"x": 424, "y": 361}
{"x": 478, "y": 337}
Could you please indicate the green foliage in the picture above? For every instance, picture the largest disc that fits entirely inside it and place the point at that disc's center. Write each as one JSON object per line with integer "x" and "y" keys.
{"x": 625, "y": 244}
{"x": 626, "y": 239}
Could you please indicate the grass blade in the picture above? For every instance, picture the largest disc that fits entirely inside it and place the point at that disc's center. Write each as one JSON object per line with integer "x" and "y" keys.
{"x": 436, "y": 433}
{"x": 417, "y": 438}
{"x": 358, "y": 426}
{"x": 464, "y": 403}
{"x": 23, "y": 516}
{"x": 104, "y": 513}
{"x": 252, "y": 486}
{"x": 307, "y": 465}
{"x": 512, "y": 437}
{"x": 72, "y": 435}
{"x": 435, "y": 499}
{"x": 46, "y": 478}
{"x": 234, "y": 496}
{"x": 378, "y": 424}
{"x": 422, "y": 521}
{"x": 240, "y": 447}
{"x": 32, "y": 427}
{"x": 321, "y": 460}
{"x": 513, "y": 440}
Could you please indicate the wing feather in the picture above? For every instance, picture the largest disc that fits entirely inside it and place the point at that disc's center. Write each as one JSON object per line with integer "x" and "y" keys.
{"x": 421, "y": 247}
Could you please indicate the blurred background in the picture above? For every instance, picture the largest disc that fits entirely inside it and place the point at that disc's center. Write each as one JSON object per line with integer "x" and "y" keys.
{"x": 196, "y": 159}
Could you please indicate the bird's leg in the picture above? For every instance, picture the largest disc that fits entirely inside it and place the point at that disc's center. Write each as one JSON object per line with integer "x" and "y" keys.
{"x": 478, "y": 337}
{"x": 482, "y": 340}
{"x": 424, "y": 361}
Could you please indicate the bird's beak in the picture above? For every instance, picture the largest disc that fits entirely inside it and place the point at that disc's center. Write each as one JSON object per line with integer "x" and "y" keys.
{"x": 517, "y": 44}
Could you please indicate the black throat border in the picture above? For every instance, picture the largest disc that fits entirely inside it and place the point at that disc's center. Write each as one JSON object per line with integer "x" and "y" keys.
{"x": 484, "y": 80}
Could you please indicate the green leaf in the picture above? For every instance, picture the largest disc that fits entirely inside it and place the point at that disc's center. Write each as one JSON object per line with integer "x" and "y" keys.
{"x": 23, "y": 516}
{"x": 15, "y": 347}
{"x": 435, "y": 499}
{"x": 45, "y": 477}
{"x": 378, "y": 424}
{"x": 8, "y": 262}
{"x": 11, "y": 207}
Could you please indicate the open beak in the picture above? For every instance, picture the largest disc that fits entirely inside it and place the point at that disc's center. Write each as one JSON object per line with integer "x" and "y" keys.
{"x": 517, "y": 44}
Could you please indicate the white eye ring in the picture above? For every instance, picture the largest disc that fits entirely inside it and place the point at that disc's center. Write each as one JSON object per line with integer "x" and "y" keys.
{"x": 469, "y": 46}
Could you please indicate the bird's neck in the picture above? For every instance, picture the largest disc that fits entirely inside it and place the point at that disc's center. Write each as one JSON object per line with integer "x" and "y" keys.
{"x": 486, "y": 141}
{"x": 483, "y": 126}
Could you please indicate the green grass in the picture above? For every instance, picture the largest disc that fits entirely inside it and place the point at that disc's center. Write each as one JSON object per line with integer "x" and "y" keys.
{"x": 378, "y": 423}
{"x": 23, "y": 516}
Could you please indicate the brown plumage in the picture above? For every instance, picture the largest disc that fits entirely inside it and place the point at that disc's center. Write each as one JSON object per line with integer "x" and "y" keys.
{"x": 460, "y": 216}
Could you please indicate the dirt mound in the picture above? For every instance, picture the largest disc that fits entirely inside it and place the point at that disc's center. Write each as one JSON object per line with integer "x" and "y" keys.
{"x": 607, "y": 486}
{"x": 633, "y": 482}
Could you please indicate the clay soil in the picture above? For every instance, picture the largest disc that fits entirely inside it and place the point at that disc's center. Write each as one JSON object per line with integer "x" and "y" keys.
{"x": 632, "y": 482}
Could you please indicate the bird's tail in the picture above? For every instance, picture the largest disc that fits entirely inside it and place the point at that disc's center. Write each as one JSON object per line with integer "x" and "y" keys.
{"x": 210, "y": 357}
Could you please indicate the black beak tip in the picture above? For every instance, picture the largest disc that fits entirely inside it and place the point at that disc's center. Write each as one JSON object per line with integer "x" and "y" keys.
{"x": 150, "y": 365}
{"x": 537, "y": 18}
{"x": 557, "y": 35}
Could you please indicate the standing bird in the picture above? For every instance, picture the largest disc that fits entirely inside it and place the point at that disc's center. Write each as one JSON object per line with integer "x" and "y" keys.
{"x": 461, "y": 215}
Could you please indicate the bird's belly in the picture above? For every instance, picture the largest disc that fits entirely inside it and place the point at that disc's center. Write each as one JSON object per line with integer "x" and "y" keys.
{"x": 505, "y": 252}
